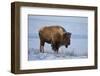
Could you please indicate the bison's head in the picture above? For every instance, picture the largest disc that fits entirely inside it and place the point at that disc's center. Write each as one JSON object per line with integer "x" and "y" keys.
{"x": 66, "y": 39}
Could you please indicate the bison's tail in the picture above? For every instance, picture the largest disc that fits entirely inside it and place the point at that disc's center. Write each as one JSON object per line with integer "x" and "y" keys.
{"x": 39, "y": 33}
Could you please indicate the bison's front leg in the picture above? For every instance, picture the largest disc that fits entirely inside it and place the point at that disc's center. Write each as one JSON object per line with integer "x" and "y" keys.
{"x": 55, "y": 48}
{"x": 42, "y": 46}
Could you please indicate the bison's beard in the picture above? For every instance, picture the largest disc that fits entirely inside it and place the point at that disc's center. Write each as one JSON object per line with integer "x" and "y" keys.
{"x": 66, "y": 46}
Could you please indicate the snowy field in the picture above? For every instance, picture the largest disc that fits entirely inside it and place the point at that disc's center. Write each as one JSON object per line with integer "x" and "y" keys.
{"x": 77, "y": 49}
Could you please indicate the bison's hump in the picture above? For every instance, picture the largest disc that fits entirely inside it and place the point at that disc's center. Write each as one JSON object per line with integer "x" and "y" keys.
{"x": 53, "y": 28}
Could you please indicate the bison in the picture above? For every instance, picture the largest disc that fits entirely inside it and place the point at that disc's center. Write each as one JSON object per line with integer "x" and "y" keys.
{"x": 55, "y": 35}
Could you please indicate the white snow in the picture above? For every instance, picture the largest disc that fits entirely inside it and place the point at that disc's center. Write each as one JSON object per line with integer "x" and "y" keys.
{"x": 35, "y": 54}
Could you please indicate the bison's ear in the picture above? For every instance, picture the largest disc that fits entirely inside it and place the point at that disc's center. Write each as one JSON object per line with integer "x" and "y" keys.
{"x": 67, "y": 34}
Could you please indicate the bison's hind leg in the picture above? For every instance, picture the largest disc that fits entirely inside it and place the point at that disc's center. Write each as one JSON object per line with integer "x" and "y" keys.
{"x": 42, "y": 46}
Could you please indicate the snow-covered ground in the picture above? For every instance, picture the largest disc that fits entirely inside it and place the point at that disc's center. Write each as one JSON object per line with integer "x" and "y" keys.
{"x": 76, "y": 50}
{"x": 34, "y": 54}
